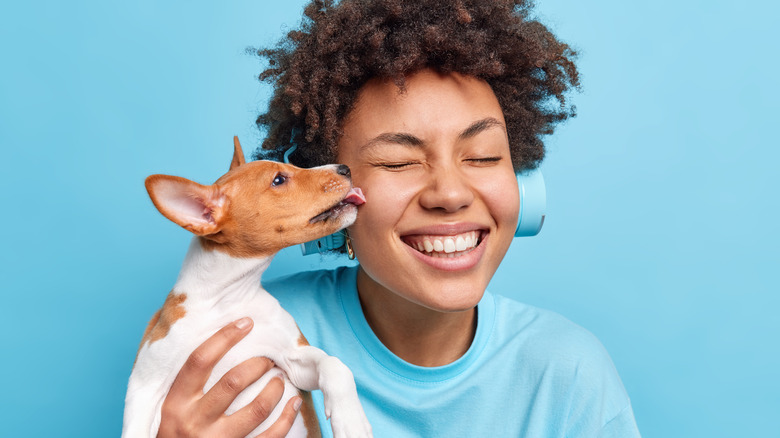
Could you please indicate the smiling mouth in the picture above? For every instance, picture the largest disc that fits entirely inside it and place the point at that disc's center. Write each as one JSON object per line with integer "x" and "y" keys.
{"x": 354, "y": 198}
{"x": 449, "y": 246}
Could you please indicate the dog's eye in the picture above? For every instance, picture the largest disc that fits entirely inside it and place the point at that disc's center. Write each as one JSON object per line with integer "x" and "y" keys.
{"x": 279, "y": 179}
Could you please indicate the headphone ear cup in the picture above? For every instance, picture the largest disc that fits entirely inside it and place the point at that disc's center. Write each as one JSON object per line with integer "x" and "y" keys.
{"x": 324, "y": 244}
{"x": 533, "y": 203}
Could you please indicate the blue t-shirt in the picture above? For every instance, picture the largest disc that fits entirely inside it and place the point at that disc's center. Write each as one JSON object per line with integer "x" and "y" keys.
{"x": 528, "y": 373}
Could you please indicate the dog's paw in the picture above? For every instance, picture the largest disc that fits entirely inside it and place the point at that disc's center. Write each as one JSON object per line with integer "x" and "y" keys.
{"x": 349, "y": 421}
{"x": 350, "y": 426}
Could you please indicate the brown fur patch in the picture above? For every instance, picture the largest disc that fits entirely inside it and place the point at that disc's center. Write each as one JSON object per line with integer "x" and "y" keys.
{"x": 172, "y": 311}
{"x": 149, "y": 327}
{"x": 302, "y": 340}
{"x": 307, "y": 407}
{"x": 152, "y": 323}
{"x": 309, "y": 416}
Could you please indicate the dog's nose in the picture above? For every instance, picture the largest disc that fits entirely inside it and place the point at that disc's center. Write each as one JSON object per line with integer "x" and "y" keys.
{"x": 343, "y": 170}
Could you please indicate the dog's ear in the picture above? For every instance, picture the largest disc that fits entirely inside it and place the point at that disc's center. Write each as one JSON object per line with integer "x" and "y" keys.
{"x": 198, "y": 208}
{"x": 238, "y": 154}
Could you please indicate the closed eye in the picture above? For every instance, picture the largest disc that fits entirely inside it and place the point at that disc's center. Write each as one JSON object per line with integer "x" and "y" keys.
{"x": 485, "y": 159}
{"x": 396, "y": 166}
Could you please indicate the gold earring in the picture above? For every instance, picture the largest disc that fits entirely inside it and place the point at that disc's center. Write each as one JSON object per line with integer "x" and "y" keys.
{"x": 350, "y": 251}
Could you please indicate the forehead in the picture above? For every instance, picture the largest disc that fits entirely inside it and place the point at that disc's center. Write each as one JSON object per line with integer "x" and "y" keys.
{"x": 431, "y": 105}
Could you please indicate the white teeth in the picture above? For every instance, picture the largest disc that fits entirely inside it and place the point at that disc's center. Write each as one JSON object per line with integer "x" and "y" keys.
{"x": 449, "y": 245}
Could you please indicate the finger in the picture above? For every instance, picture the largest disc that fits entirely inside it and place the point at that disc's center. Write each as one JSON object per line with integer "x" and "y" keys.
{"x": 250, "y": 416}
{"x": 283, "y": 425}
{"x": 216, "y": 401}
{"x": 196, "y": 370}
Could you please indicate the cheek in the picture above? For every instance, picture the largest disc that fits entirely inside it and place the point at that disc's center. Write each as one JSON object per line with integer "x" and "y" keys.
{"x": 503, "y": 200}
{"x": 387, "y": 199}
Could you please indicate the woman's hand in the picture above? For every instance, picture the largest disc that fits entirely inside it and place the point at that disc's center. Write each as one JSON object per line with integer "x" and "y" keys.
{"x": 187, "y": 412}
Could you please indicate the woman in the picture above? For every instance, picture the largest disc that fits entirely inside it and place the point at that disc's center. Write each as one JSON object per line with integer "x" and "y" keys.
{"x": 434, "y": 106}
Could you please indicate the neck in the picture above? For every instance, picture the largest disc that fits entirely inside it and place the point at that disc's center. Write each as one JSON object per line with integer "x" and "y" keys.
{"x": 416, "y": 334}
{"x": 209, "y": 274}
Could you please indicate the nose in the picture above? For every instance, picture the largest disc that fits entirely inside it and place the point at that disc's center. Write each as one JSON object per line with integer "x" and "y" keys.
{"x": 447, "y": 191}
{"x": 343, "y": 170}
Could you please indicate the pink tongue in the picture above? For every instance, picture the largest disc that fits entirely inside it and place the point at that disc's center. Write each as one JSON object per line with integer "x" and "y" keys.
{"x": 355, "y": 196}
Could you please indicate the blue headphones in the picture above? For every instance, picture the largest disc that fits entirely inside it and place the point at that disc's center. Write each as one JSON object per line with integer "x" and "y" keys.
{"x": 533, "y": 203}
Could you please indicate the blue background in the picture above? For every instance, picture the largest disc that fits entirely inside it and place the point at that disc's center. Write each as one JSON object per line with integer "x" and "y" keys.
{"x": 660, "y": 238}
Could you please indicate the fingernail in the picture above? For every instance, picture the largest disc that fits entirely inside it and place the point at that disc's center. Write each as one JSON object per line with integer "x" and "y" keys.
{"x": 297, "y": 404}
{"x": 243, "y": 323}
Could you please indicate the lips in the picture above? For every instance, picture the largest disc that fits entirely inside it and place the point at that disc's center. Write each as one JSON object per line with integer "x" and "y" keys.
{"x": 353, "y": 198}
{"x": 468, "y": 242}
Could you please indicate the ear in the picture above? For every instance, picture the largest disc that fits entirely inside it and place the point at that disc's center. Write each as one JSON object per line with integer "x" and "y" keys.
{"x": 198, "y": 208}
{"x": 238, "y": 154}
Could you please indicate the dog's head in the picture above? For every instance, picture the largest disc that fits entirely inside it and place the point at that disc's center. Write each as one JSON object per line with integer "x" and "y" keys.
{"x": 260, "y": 207}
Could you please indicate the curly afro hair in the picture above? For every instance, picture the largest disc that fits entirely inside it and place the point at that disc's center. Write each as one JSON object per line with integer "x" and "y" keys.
{"x": 318, "y": 70}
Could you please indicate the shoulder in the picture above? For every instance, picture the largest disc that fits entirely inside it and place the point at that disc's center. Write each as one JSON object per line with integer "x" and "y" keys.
{"x": 308, "y": 287}
{"x": 313, "y": 300}
{"x": 564, "y": 356}
{"x": 309, "y": 282}
{"x": 545, "y": 333}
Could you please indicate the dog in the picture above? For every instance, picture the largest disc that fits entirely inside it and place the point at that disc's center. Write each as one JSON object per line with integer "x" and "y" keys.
{"x": 239, "y": 223}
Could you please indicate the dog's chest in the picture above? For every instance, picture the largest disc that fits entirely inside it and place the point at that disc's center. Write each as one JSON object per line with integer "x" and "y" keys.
{"x": 170, "y": 341}
{"x": 273, "y": 335}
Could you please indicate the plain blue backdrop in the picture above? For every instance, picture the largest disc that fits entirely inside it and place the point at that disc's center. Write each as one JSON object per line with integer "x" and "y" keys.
{"x": 661, "y": 233}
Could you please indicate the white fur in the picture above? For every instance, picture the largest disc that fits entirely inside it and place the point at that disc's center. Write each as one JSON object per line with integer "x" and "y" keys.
{"x": 221, "y": 289}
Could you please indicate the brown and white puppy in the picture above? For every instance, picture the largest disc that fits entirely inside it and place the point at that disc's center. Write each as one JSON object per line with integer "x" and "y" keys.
{"x": 240, "y": 222}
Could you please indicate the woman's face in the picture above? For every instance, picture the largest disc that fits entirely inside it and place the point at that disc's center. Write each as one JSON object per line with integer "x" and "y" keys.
{"x": 442, "y": 197}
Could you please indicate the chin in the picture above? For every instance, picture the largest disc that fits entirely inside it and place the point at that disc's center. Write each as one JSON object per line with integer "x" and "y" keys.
{"x": 453, "y": 299}
{"x": 349, "y": 216}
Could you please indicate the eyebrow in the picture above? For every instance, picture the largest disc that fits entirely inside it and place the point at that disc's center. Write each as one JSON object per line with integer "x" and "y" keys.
{"x": 406, "y": 139}
{"x": 479, "y": 126}
{"x": 401, "y": 138}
